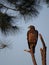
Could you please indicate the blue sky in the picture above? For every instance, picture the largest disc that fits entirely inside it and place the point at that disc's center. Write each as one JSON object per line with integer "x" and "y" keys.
{"x": 18, "y": 42}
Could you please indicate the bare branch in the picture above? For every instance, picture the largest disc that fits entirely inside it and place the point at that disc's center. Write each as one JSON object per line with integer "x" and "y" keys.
{"x": 27, "y": 51}
{"x": 32, "y": 55}
{"x": 42, "y": 40}
{"x": 43, "y": 51}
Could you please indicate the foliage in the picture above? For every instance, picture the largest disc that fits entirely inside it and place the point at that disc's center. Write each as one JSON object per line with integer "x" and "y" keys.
{"x": 6, "y": 23}
{"x": 25, "y": 7}
{"x": 47, "y": 1}
{"x": 12, "y": 1}
{"x": 28, "y": 7}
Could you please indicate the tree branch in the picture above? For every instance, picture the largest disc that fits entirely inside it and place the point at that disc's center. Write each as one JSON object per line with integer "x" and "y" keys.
{"x": 32, "y": 55}
{"x": 43, "y": 51}
{"x": 7, "y": 7}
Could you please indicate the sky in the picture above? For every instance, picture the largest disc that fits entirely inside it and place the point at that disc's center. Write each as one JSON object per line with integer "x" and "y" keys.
{"x": 14, "y": 54}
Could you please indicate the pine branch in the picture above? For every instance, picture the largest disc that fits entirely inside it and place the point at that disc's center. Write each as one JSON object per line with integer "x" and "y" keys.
{"x": 7, "y": 7}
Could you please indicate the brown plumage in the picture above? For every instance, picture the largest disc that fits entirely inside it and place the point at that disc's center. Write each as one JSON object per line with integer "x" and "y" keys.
{"x": 32, "y": 37}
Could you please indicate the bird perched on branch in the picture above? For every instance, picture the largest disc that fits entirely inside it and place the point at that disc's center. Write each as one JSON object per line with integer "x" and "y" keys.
{"x": 32, "y": 37}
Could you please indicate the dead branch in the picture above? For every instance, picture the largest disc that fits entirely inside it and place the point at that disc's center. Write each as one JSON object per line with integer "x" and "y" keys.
{"x": 43, "y": 50}
{"x": 32, "y": 55}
